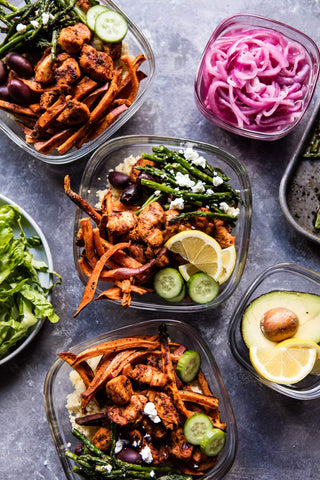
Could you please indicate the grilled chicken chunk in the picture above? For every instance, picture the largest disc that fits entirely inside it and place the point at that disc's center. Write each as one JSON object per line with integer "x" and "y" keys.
{"x": 103, "y": 439}
{"x": 155, "y": 430}
{"x": 131, "y": 413}
{"x": 147, "y": 374}
{"x": 122, "y": 222}
{"x": 179, "y": 447}
{"x": 223, "y": 234}
{"x": 48, "y": 98}
{"x": 166, "y": 410}
{"x": 44, "y": 70}
{"x": 72, "y": 38}
{"x": 149, "y": 222}
{"x": 74, "y": 113}
{"x": 119, "y": 390}
{"x": 68, "y": 72}
{"x": 97, "y": 65}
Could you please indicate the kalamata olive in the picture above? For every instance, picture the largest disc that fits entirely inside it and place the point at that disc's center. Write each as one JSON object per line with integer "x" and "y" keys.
{"x": 4, "y": 93}
{"x": 3, "y": 73}
{"x": 145, "y": 176}
{"x": 129, "y": 455}
{"x": 131, "y": 195}
{"x": 19, "y": 64}
{"x": 119, "y": 179}
{"x": 19, "y": 92}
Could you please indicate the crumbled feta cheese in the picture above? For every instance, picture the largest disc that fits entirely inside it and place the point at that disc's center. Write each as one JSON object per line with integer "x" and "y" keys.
{"x": 35, "y": 23}
{"x": 136, "y": 443}
{"x": 152, "y": 474}
{"x": 146, "y": 454}
{"x": 151, "y": 411}
{"x": 224, "y": 207}
{"x": 210, "y": 191}
{"x": 217, "y": 181}
{"x": 184, "y": 180}
{"x": 108, "y": 468}
{"x": 233, "y": 212}
{"x": 194, "y": 157}
{"x": 198, "y": 187}
{"x": 120, "y": 444}
{"x": 157, "y": 192}
{"x": 45, "y": 18}
{"x": 69, "y": 444}
{"x": 21, "y": 28}
{"x": 177, "y": 203}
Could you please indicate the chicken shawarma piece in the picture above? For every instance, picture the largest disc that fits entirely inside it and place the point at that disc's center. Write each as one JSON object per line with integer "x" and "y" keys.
{"x": 121, "y": 222}
{"x": 179, "y": 447}
{"x": 166, "y": 410}
{"x": 119, "y": 390}
{"x": 149, "y": 225}
{"x": 72, "y": 38}
{"x": 74, "y": 113}
{"x": 102, "y": 439}
{"x": 170, "y": 228}
{"x": 68, "y": 72}
{"x": 44, "y": 70}
{"x": 97, "y": 65}
{"x": 129, "y": 414}
{"x": 223, "y": 233}
{"x": 147, "y": 374}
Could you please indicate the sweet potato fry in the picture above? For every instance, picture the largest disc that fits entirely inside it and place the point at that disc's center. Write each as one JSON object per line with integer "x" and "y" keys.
{"x": 133, "y": 77}
{"x": 203, "y": 383}
{"x": 49, "y": 145}
{"x": 107, "y": 98}
{"x": 121, "y": 257}
{"x": 84, "y": 88}
{"x": 88, "y": 238}
{"x": 87, "y": 270}
{"x": 13, "y": 107}
{"x": 93, "y": 280}
{"x": 198, "y": 398}
{"x": 90, "y": 99}
{"x": 47, "y": 118}
{"x": 99, "y": 248}
{"x": 104, "y": 124}
{"x": 113, "y": 293}
{"x": 82, "y": 368}
{"x": 80, "y": 202}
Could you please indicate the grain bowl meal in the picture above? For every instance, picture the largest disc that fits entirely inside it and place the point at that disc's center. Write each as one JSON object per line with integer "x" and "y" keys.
{"x": 142, "y": 409}
{"x": 164, "y": 224}
{"x": 65, "y": 73}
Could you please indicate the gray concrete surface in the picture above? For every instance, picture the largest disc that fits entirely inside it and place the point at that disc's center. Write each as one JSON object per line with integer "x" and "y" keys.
{"x": 278, "y": 437}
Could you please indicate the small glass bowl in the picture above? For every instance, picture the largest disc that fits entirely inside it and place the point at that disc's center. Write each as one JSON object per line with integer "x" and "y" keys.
{"x": 255, "y": 21}
{"x": 109, "y": 155}
{"x": 138, "y": 44}
{"x": 58, "y": 385}
{"x": 41, "y": 253}
{"x": 283, "y": 276}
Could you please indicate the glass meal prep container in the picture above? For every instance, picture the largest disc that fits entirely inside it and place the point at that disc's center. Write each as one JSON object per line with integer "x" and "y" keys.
{"x": 138, "y": 44}
{"x": 58, "y": 385}
{"x": 249, "y": 22}
{"x": 109, "y": 155}
{"x": 283, "y": 276}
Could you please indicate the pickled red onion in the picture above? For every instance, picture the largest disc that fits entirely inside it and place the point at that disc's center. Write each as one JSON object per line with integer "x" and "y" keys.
{"x": 256, "y": 78}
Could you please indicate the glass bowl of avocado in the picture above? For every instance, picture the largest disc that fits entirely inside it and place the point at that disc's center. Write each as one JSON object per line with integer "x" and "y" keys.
{"x": 274, "y": 332}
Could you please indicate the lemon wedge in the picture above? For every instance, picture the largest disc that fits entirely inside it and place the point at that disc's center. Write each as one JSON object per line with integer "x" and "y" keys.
{"x": 288, "y": 362}
{"x": 228, "y": 262}
{"x": 187, "y": 270}
{"x": 198, "y": 248}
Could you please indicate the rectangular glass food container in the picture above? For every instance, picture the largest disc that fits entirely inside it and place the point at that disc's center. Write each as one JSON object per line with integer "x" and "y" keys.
{"x": 109, "y": 155}
{"x": 58, "y": 385}
{"x": 283, "y": 276}
{"x": 138, "y": 44}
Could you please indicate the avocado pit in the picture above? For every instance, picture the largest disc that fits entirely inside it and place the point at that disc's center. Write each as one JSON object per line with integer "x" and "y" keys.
{"x": 279, "y": 323}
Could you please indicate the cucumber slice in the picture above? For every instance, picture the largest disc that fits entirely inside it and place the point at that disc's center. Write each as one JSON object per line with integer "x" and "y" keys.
{"x": 168, "y": 283}
{"x": 213, "y": 442}
{"x": 93, "y": 13}
{"x": 179, "y": 297}
{"x": 195, "y": 428}
{"x": 110, "y": 26}
{"x": 202, "y": 288}
{"x": 188, "y": 365}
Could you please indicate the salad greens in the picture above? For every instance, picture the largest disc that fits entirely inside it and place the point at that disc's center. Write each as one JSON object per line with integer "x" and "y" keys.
{"x": 23, "y": 300}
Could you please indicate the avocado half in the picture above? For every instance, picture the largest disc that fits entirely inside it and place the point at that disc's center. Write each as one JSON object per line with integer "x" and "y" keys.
{"x": 305, "y": 305}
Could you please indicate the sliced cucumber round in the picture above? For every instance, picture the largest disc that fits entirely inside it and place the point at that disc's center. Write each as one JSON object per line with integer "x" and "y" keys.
{"x": 179, "y": 297}
{"x": 168, "y": 283}
{"x": 213, "y": 442}
{"x": 196, "y": 427}
{"x": 110, "y": 26}
{"x": 93, "y": 13}
{"x": 202, "y": 288}
{"x": 188, "y": 365}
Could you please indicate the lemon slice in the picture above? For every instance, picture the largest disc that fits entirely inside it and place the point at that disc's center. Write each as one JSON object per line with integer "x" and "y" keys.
{"x": 187, "y": 270}
{"x": 228, "y": 262}
{"x": 290, "y": 342}
{"x": 198, "y": 248}
{"x": 286, "y": 363}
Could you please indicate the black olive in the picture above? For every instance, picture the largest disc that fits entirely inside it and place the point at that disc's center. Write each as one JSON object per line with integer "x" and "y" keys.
{"x": 119, "y": 179}
{"x": 131, "y": 195}
{"x": 145, "y": 176}
{"x": 129, "y": 455}
{"x": 3, "y": 73}
{"x": 19, "y": 92}
{"x": 19, "y": 64}
{"x": 4, "y": 93}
